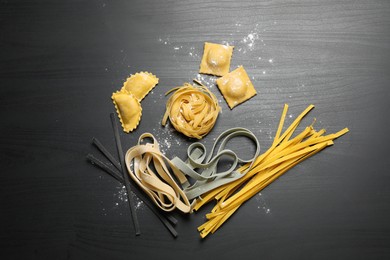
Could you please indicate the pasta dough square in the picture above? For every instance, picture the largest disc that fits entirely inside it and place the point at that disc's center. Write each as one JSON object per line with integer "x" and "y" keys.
{"x": 216, "y": 59}
{"x": 128, "y": 109}
{"x": 236, "y": 87}
{"x": 140, "y": 84}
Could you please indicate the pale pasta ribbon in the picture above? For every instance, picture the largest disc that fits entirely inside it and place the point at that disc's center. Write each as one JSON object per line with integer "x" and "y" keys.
{"x": 151, "y": 170}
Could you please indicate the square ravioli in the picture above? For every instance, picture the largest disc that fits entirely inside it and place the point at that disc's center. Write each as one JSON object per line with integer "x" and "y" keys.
{"x": 236, "y": 87}
{"x": 216, "y": 59}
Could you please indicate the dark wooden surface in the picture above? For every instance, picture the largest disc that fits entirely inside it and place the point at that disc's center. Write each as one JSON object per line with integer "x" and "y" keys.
{"x": 61, "y": 60}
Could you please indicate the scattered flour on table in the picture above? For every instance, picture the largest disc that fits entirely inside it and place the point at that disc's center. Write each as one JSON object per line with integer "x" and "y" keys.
{"x": 166, "y": 138}
{"x": 138, "y": 203}
{"x": 262, "y": 204}
{"x": 120, "y": 198}
{"x": 207, "y": 80}
{"x": 120, "y": 195}
{"x": 247, "y": 40}
{"x": 181, "y": 49}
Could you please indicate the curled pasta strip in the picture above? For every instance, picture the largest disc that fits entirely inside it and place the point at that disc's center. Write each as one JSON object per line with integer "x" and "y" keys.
{"x": 207, "y": 176}
{"x": 149, "y": 168}
{"x": 192, "y": 110}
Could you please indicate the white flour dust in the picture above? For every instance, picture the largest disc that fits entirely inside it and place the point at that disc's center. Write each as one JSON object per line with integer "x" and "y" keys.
{"x": 166, "y": 138}
{"x": 247, "y": 40}
{"x": 120, "y": 198}
{"x": 180, "y": 49}
{"x": 208, "y": 81}
{"x": 262, "y": 204}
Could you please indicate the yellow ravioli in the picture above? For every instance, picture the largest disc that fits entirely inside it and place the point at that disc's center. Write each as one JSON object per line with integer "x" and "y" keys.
{"x": 140, "y": 84}
{"x": 128, "y": 108}
{"x": 236, "y": 87}
{"x": 216, "y": 59}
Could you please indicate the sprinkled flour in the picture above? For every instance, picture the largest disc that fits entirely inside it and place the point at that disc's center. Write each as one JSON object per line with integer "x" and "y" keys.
{"x": 166, "y": 138}
{"x": 120, "y": 197}
{"x": 262, "y": 204}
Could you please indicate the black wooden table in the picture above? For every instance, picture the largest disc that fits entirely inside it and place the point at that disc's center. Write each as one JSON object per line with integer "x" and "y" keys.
{"x": 61, "y": 60}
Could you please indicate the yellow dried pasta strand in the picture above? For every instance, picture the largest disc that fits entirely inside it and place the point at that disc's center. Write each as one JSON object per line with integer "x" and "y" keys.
{"x": 264, "y": 183}
{"x": 224, "y": 218}
{"x": 206, "y": 198}
{"x": 284, "y": 153}
{"x": 252, "y": 185}
{"x": 290, "y": 130}
{"x": 270, "y": 172}
{"x": 270, "y": 180}
{"x": 281, "y": 123}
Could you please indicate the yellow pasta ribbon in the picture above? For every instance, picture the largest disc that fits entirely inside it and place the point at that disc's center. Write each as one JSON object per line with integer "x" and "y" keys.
{"x": 284, "y": 153}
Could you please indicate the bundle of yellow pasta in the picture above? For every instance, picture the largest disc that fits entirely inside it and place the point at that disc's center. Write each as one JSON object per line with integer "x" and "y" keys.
{"x": 192, "y": 110}
{"x": 285, "y": 152}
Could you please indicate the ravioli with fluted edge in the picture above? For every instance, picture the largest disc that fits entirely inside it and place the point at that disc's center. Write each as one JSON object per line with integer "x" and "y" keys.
{"x": 140, "y": 84}
{"x": 216, "y": 59}
{"x": 236, "y": 87}
{"x": 128, "y": 109}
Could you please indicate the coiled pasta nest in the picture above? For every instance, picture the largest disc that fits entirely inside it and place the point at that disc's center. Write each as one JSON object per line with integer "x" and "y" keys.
{"x": 192, "y": 110}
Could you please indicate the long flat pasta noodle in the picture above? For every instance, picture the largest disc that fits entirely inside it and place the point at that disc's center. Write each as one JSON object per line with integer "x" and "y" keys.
{"x": 150, "y": 170}
{"x": 192, "y": 110}
{"x": 284, "y": 153}
{"x": 128, "y": 109}
{"x": 207, "y": 177}
{"x": 140, "y": 84}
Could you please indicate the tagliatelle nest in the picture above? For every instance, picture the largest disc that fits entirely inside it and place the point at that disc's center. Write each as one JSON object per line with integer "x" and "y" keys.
{"x": 192, "y": 110}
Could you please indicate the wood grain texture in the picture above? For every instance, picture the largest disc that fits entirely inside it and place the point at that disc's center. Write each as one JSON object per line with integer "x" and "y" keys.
{"x": 61, "y": 60}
